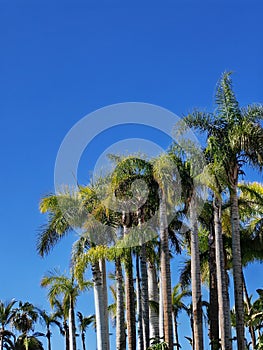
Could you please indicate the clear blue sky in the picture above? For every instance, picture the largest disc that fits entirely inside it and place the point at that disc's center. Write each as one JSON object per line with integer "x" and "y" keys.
{"x": 61, "y": 60}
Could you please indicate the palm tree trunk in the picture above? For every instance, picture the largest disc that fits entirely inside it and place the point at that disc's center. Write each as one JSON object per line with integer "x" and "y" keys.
{"x": 213, "y": 294}
{"x": 129, "y": 290}
{"x": 143, "y": 282}
{"x": 120, "y": 318}
{"x": 153, "y": 296}
{"x": 83, "y": 340}
{"x": 196, "y": 280}
{"x": 72, "y": 327}
{"x": 166, "y": 275}
{"x": 26, "y": 342}
{"x": 48, "y": 339}
{"x": 130, "y": 304}
{"x": 66, "y": 330}
{"x": 102, "y": 335}
{"x": 145, "y": 297}
{"x": 139, "y": 306}
{"x": 237, "y": 268}
{"x": 161, "y": 320}
{"x": 2, "y": 338}
{"x": 222, "y": 285}
{"x": 105, "y": 303}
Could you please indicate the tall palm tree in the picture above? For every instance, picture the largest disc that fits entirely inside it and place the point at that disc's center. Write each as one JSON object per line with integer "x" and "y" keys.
{"x": 134, "y": 212}
{"x": 7, "y": 312}
{"x": 68, "y": 211}
{"x": 190, "y": 198}
{"x": 120, "y": 317}
{"x": 163, "y": 173}
{"x": 67, "y": 287}
{"x": 116, "y": 309}
{"x": 61, "y": 308}
{"x": 214, "y": 177}
{"x": 86, "y": 254}
{"x": 153, "y": 297}
{"x": 235, "y": 137}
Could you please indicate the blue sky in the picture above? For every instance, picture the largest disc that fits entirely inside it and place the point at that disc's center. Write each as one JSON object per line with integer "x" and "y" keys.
{"x": 61, "y": 60}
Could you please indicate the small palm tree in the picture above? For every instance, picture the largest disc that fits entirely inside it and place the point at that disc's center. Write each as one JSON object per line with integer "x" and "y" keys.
{"x": 177, "y": 306}
{"x": 60, "y": 284}
{"x": 24, "y": 320}
{"x": 28, "y": 343}
{"x": 48, "y": 320}
{"x": 6, "y": 315}
{"x": 84, "y": 322}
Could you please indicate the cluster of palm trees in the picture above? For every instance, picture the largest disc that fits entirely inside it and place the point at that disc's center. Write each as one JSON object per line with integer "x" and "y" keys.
{"x": 144, "y": 211}
{"x": 21, "y": 319}
{"x": 18, "y": 321}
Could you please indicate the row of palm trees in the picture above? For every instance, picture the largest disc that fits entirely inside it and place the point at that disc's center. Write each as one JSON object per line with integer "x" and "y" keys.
{"x": 188, "y": 198}
{"x": 115, "y": 217}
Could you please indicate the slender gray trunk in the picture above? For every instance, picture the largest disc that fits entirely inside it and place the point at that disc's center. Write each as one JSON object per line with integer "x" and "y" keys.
{"x": 237, "y": 269}
{"x": 222, "y": 285}
{"x": 139, "y": 306}
{"x": 145, "y": 297}
{"x": 66, "y": 330}
{"x": 83, "y": 340}
{"x": 161, "y": 321}
{"x": 196, "y": 279}
{"x": 213, "y": 294}
{"x": 129, "y": 289}
{"x": 105, "y": 303}
{"x": 101, "y": 328}
{"x": 153, "y": 296}
{"x": 166, "y": 274}
{"x": 72, "y": 326}
{"x": 48, "y": 335}
{"x": 120, "y": 317}
{"x": 143, "y": 282}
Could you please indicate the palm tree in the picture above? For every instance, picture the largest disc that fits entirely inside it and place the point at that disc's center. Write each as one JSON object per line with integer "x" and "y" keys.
{"x": 6, "y": 314}
{"x": 235, "y": 137}
{"x": 68, "y": 211}
{"x": 48, "y": 320}
{"x": 195, "y": 278}
{"x": 153, "y": 297}
{"x": 8, "y": 340}
{"x": 178, "y": 305}
{"x": 163, "y": 173}
{"x": 116, "y": 309}
{"x": 67, "y": 287}
{"x": 84, "y": 254}
{"x": 188, "y": 174}
{"x": 134, "y": 210}
{"x": 61, "y": 308}
{"x": 84, "y": 322}
{"x": 28, "y": 343}
{"x": 214, "y": 177}
{"x": 24, "y": 320}
{"x": 120, "y": 317}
